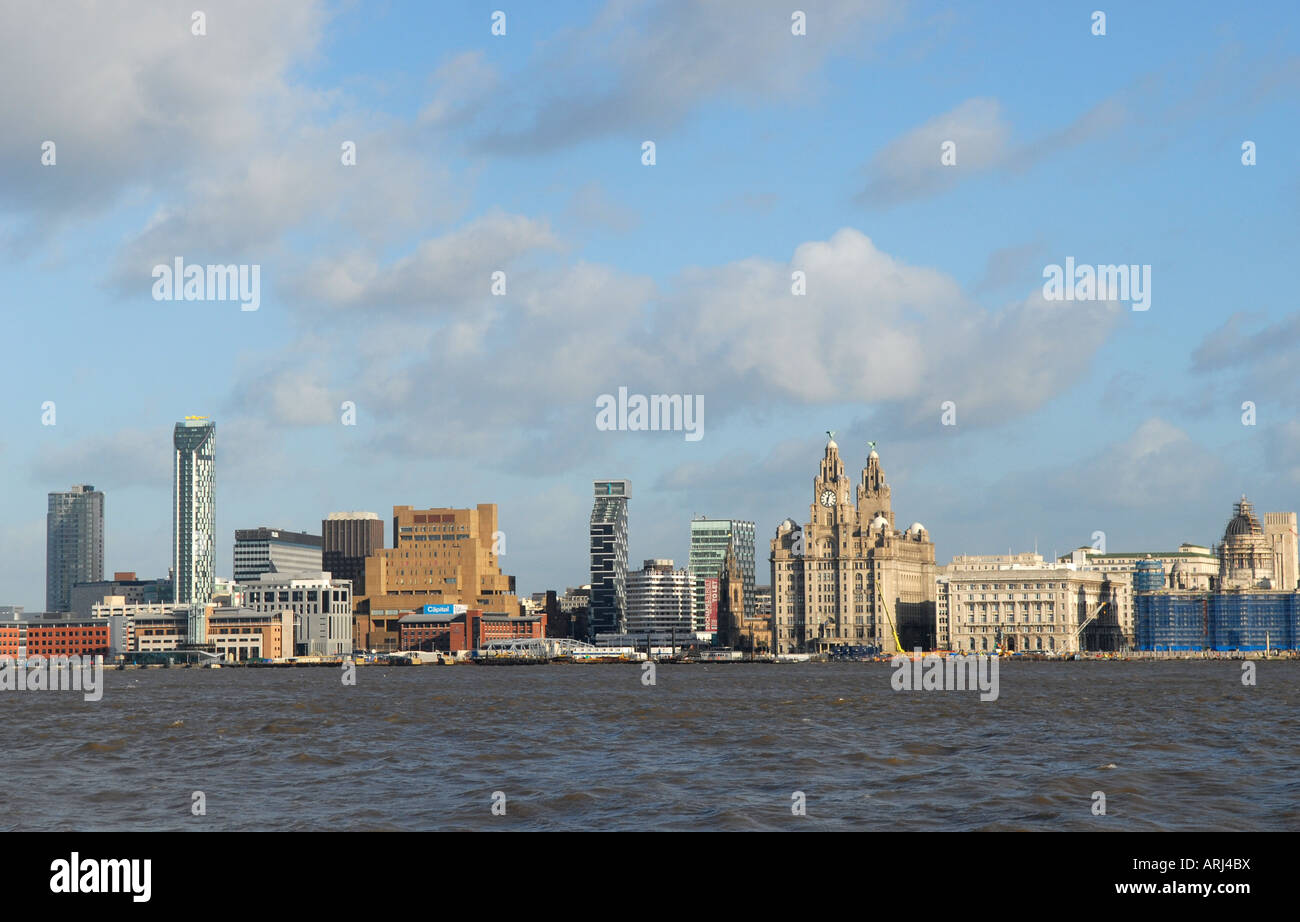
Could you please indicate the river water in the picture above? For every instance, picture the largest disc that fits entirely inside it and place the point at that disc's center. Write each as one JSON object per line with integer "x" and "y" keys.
{"x": 1171, "y": 745}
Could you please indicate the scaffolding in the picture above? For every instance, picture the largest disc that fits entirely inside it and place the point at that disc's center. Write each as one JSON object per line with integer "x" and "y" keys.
{"x": 1242, "y": 620}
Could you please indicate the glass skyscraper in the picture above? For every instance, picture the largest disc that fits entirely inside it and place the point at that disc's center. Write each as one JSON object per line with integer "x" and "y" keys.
{"x": 74, "y": 543}
{"x": 710, "y": 539}
{"x": 194, "y": 510}
{"x": 609, "y": 557}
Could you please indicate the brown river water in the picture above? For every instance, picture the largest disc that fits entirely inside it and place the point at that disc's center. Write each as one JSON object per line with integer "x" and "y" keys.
{"x": 1171, "y": 745}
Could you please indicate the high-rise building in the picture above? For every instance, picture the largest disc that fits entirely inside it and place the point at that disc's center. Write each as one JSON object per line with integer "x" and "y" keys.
{"x": 608, "y": 614}
{"x": 194, "y": 510}
{"x": 849, "y": 577}
{"x": 659, "y": 600}
{"x": 711, "y": 539}
{"x": 439, "y": 557}
{"x": 348, "y": 539}
{"x": 74, "y": 543}
{"x": 272, "y": 550}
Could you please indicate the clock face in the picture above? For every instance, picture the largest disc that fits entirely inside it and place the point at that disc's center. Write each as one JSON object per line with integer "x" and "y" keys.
{"x": 828, "y": 498}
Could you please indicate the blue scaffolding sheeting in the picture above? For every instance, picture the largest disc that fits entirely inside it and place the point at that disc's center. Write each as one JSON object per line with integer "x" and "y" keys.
{"x": 1217, "y": 620}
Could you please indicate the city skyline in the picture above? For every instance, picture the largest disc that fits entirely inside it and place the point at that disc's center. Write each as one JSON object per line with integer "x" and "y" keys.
{"x": 924, "y": 283}
{"x": 761, "y": 574}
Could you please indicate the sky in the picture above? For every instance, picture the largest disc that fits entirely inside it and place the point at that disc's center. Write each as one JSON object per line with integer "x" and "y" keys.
{"x": 774, "y": 153}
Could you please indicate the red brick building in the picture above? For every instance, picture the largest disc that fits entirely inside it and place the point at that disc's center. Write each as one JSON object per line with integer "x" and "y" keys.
{"x": 452, "y": 633}
{"x": 55, "y": 638}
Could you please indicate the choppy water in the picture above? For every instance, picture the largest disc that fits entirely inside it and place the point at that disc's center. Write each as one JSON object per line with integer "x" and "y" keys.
{"x": 1172, "y": 746}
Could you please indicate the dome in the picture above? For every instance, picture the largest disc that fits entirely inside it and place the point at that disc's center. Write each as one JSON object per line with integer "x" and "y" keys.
{"x": 873, "y": 456}
{"x": 880, "y": 522}
{"x": 832, "y": 444}
{"x": 1240, "y": 525}
{"x": 917, "y": 528}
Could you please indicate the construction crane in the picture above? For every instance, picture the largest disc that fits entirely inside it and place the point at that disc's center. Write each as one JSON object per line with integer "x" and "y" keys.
{"x": 1092, "y": 616}
{"x": 897, "y": 642}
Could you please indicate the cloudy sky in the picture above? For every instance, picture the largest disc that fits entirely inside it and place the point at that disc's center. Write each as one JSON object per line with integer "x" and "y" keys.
{"x": 775, "y": 153}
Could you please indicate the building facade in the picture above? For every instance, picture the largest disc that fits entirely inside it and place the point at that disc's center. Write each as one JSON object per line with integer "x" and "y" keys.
{"x": 273, "y": 550}
{"x": 608, "y": 547}
{"x": 1021, "y": 604}
{"x": 74, "y": 543}
{"x": 1237, "y": 619}
{"x": 849, "y": 577}
{"x": 194, "y": 510}
{"x": 348, "y": 538}
{"x": 440, "y": 556}
{"x": 711, "y": 541}
{"x": 659, "y": 600}
{"x": 321, "y": 609}
{"x": 1257, "y": 556}
{"x": 124, "y": 584}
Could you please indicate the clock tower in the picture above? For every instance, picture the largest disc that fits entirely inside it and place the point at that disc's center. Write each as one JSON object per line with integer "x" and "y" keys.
{"x": 849, "y": 578}
{"x": 832, "y": 499}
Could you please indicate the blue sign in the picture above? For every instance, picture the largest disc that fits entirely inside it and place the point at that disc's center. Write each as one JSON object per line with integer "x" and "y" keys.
{"x": 444, "y": 609}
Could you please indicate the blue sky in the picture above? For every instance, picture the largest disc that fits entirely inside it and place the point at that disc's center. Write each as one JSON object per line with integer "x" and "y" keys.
{"x": 774, "y": 152}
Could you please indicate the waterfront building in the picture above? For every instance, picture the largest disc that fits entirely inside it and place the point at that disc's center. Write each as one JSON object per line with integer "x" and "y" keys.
{"x": 1020, "y": 603}
{"x": 466, "y": 629}
{"x": 849, "y": 577}
{"x": 1252, "y": 604}
{"x": 321, "y": 609}
{"x": 348, "y": 538}
{"x": 608, "y": 547}
{"x": 194, "y": 510}
{"x": 125, "y": 584}
{"x": 711, "y": 541}
{"x": 274, "y": 550}
{"x": 440, "y": 556}
{"x": 1236, "y": 619}
{"x": 74, "y": 543}
{"x": 659, "y": 599}
{"x": 55, "y": 634}
{"x": 234, "y": 633}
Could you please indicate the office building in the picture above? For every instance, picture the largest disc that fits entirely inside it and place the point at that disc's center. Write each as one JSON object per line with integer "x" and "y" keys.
{"x": 1022, "y": 604}
{"x": 711, "y": 541}
{"x": 321, "y": 609}
{"x": 608, "y": 546}
{"x": 348, "y": 539}
{"x": 124, "y": 584}
{"x": 849, "y": 577}
{"x": 74, "y": 543}
{"x": 272, "y": 550}
{"x": 440, "y": 556}
{"x": 194, "y": 510}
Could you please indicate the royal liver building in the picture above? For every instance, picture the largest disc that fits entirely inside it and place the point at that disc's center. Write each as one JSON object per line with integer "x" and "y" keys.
{"x": 849, "y": 577}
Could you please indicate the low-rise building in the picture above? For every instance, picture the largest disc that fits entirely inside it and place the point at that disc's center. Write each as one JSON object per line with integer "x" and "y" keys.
{"x": 321, "y": 608}
{"x": 467, "y": 629}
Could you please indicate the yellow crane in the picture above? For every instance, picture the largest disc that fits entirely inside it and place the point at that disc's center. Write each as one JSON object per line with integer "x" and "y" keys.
{"x": 897, "y": 642}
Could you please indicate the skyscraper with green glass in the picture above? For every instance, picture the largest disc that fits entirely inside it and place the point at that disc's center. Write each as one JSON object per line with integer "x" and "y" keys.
{"x": 710, "y": 539}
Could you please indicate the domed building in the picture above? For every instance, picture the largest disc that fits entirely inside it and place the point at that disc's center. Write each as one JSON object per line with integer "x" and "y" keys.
{"x": 849, "y": 577}
{"x": 1258, "y": 556}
